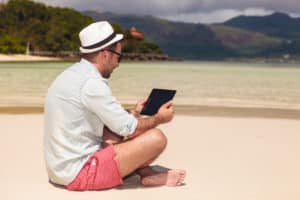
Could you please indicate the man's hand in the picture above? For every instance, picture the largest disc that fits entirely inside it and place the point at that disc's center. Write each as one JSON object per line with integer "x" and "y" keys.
{"x": 165, "y": 113}
{"x": 139, "y": 107}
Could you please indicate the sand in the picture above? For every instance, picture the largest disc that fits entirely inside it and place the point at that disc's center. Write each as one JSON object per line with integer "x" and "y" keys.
{"x": 24, "y": 57}
{"x": 225, "y": 158}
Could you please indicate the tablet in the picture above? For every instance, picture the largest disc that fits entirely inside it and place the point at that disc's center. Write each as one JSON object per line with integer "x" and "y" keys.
{"x": 156, "y": 99}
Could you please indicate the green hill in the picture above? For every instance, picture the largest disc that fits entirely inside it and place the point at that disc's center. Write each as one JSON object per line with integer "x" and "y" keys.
{"x": 56, "y": 29}
{"x": 45, "y": 28}
{"x": 277, "y": 24}
{"x": 51, "y": 29}
{"x": 198, "y": 41}
{"x": 246, "y": 43}
{"x": 177, "y": 39}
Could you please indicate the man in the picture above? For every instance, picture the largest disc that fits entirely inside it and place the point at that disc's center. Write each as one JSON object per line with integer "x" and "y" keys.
{"x": 90, "y": 141}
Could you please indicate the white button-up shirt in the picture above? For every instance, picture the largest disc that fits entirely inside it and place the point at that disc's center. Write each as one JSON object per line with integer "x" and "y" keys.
{"x": 78, "y": 105}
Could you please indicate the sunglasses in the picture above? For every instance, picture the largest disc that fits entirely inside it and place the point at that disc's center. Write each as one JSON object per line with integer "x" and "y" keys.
{"x": 119, "y": 54}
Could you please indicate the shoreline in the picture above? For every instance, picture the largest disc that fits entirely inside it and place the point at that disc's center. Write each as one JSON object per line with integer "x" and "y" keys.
{"x": 36, "y": 58}
{"x": 190, "y": 110}
{"x": 25, "y": 58}
{"x": 128, "y": 57}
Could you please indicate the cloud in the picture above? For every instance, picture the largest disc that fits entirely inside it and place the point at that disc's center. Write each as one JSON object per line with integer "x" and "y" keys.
{"x": 215, "y": 16}
{"x": 185, "y": 10}
{"x": 129, "y": 6}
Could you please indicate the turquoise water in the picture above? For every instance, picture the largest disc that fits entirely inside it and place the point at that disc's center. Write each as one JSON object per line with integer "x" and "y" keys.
{"x": 197, "y": 83}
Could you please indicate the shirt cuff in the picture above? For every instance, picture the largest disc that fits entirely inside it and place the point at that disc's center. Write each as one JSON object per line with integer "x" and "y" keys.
{"x": 130, "y": 127}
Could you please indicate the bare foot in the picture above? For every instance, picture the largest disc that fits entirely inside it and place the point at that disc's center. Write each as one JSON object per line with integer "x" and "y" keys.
{"x": 173, "y": 177}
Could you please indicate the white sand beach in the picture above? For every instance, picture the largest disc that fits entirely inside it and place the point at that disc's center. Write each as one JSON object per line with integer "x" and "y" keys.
{"x": 225, "y": 158}
{"x": 24, "y": 57}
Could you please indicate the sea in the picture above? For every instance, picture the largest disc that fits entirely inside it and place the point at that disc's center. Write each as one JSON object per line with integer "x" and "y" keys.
{"x": 233, "y": 84}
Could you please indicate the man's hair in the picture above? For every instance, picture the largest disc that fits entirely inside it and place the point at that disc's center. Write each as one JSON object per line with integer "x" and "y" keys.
{"x": 91, "y": 56}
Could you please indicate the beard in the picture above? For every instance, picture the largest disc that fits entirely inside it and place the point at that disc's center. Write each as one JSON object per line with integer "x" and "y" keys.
{"x": 106, "y": 73}
{"x": 109, "y": 68}
{"x": 106, "y": 76}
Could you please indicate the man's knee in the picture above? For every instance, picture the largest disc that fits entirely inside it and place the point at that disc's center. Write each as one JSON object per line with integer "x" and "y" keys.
{"x": 159, "y": 139}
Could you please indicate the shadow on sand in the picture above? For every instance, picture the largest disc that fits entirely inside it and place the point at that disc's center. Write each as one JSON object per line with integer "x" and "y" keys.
{"x": 133, "y": 180}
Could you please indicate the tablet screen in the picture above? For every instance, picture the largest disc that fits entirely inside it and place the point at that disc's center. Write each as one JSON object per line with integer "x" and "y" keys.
{"x": 156, "y": 99}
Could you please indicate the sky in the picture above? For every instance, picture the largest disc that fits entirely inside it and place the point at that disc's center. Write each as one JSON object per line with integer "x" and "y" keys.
{"x": 195, "y": 11}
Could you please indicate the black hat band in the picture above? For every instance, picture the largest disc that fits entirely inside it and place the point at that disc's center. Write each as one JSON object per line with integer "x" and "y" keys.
{"x": 101, "y": 43}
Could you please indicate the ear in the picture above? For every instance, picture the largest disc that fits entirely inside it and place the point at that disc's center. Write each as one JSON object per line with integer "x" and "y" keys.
{"x": 121, "y": 43}
{"x": 103, "y": 55}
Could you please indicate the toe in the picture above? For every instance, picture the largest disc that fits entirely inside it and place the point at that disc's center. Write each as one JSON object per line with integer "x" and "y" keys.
{"x": 179, "y": 183}
{"x": 182, "y": 172}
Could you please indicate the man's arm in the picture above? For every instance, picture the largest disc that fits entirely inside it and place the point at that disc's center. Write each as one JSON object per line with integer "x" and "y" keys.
{"x": 164, "y": 115}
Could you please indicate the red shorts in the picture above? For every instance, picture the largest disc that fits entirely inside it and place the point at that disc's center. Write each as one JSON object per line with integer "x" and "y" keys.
{"x": 100, "y": 172}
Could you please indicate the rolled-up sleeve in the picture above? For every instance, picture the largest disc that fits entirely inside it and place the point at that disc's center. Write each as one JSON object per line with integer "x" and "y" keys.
{"x": 97, "y": 97}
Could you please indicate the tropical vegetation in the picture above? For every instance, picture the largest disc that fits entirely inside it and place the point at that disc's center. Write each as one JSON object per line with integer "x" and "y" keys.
{"x": 24, "y": 23}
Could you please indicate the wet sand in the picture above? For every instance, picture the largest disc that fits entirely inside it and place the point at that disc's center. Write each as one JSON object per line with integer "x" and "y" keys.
{"x": 192, "y": 110}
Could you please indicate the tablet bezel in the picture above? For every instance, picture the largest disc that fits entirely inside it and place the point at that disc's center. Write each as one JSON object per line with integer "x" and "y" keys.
{"x": 156, "y": 99}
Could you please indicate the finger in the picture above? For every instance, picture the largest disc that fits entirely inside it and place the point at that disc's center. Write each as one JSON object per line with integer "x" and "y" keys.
{"x": 171, "y": 108}
{"x": 168, "y": 104}
{"x": 144, "y": 101}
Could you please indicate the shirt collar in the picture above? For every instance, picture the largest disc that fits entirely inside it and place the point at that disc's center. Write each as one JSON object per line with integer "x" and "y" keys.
{"x": 92, "y": 68}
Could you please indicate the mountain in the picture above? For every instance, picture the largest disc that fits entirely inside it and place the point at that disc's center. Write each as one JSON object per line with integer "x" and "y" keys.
{"x": 198, "y": 41}
{"x": 277, "y": 24}
{"x": 55, "y": 29}
{"x": 246, "y": 43}
{"x": 194, "y": 41}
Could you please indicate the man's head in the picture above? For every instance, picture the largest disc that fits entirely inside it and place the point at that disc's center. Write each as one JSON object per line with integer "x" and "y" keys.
{"x": 102, "y": 46}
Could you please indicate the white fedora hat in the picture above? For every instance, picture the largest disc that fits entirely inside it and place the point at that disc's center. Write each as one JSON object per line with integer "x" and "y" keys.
{"x": 97, "y": 36}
